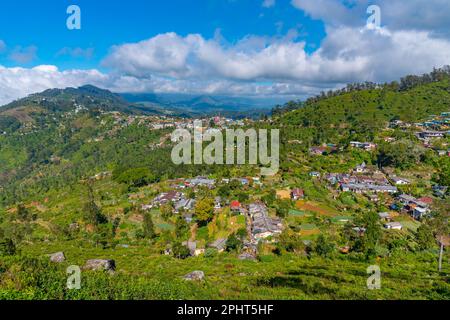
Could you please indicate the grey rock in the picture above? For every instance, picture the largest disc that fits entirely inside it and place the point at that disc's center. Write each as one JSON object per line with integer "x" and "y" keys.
{"x": 247, "y": 256}
{"x": 100, "y": 265}
{"x": 58, "y": 257}
{"x": 195, "y": 276}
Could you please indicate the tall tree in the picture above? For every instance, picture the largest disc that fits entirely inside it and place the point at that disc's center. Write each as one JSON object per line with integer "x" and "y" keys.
{"x": 204, "y": 210}
{"x": 149, "y": 227}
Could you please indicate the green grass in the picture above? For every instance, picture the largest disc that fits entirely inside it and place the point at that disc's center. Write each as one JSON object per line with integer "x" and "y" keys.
{"x": 308, "y": 227}
{"x": 298, "y": 213}
{"x": 143, "y": 275}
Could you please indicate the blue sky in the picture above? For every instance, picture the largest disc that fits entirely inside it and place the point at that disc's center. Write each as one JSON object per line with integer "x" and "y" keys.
{"x": 106, "y": 23}
{"x": 259, "y": 48}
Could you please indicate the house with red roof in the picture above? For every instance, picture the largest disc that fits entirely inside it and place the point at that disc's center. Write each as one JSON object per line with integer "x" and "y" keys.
{"x": 235, "y": 205}
{"x": 297, "y": 194}
{"x": 427, "y": 200}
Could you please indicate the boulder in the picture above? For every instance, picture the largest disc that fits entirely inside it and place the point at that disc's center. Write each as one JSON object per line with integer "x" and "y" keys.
{"x": 74, "y": 227}
{"x": 247, "y": 256}
{"x": 195, "y": 276}
{"x": 100, "y": 265}
{"x": 58, "y": 257}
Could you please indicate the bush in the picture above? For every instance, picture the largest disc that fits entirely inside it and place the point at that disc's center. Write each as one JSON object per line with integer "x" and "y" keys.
{"x": 7, "y": 247}
{"x": 180, "y": 252}
{"x": 137, "y": 177}
{"x": 323, "y": 247}
{"x": 233, "y": 243}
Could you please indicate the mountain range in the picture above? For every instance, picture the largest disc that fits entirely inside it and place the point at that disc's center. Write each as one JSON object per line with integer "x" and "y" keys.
{"x": 182, "y": 105}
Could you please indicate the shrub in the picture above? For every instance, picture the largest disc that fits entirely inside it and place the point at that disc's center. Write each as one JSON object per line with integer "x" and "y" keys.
{"x": 179, "y": 251}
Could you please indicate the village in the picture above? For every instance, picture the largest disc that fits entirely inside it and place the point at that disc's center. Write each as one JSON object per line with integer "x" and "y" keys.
{"x": 430, "y": 132}
{"x": 381, "y": 186}
{"x": 263, "y": 226}
{"x": 258, "y": 223}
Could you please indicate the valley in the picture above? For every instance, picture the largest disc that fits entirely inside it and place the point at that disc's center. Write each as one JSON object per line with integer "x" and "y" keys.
{"x": 364, "y": 180}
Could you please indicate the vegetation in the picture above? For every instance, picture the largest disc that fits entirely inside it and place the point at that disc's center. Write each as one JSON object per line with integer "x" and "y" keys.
{"x": 80, "y": 180}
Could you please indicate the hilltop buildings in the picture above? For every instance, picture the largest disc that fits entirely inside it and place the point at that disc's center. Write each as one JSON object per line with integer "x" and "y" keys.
{"x": 263, "y": 226}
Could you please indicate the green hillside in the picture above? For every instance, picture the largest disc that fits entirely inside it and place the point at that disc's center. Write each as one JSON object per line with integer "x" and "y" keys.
{"x": 84, "y": 181}
{"x": 366, "y": 111}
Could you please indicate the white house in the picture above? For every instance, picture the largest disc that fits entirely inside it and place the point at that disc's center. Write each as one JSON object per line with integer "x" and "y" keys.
{"x": 393, "y": 226}
{"x": 400, "y": 181}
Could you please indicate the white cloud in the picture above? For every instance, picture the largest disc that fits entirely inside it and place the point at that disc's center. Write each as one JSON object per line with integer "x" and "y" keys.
{"x": 166, "y": 53}
{"x": 332, "y": 12}
{"x": 257, "y": 66}
{"x": 431, "y": 15}
{"x": 19, "y": 82}
{"x": 263, "y": 66}
{"x": 347, "y": 54}
{"x": 268, "y": 3}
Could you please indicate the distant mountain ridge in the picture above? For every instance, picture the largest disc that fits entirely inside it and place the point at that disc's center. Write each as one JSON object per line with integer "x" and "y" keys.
{"x": 203, "y": 105}
{"x": 181, "y": 105}
{"x": 63, "y": 100}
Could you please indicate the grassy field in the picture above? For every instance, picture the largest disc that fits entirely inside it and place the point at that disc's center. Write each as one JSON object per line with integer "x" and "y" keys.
{"x": 317, "y": 208}
{"x": 141, "y": 274}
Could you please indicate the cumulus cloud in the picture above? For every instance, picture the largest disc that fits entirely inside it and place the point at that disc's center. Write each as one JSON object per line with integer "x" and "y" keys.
{"x": 263, "y": 66}
{"x": 254, "y": 66}
{"x": 332, "y": 12}
{"x": 19, "y": 82}
{"x": 430, "y": 15}
{"x": 347, "y": 54}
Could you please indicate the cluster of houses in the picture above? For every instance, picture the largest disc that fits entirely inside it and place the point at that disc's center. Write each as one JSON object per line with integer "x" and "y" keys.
{"x": 437, "y": 123}
{"x": 434, "y": 124}
{"x": 205, "y": 182}
{"x": 377, "y": 182}
{"x": 417, "y": 208}
{"x": 323, "y": 150}
{"x": 262, "y": 225}
{"x": 332, "y": 148}
{"x": 362, "y": 181}
{"x": 368, "y": 146}
{"x": 161, "y": 122}
{"x": 175, "y": 198}
{"x": 196, "y": 182}
{"x": 436, "y": 127}
{"x": 427, "y": 138}
{"x": 201, "y": 182}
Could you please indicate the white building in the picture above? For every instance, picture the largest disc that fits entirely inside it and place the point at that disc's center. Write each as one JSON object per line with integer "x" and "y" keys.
{"x": 393, "y": 226}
